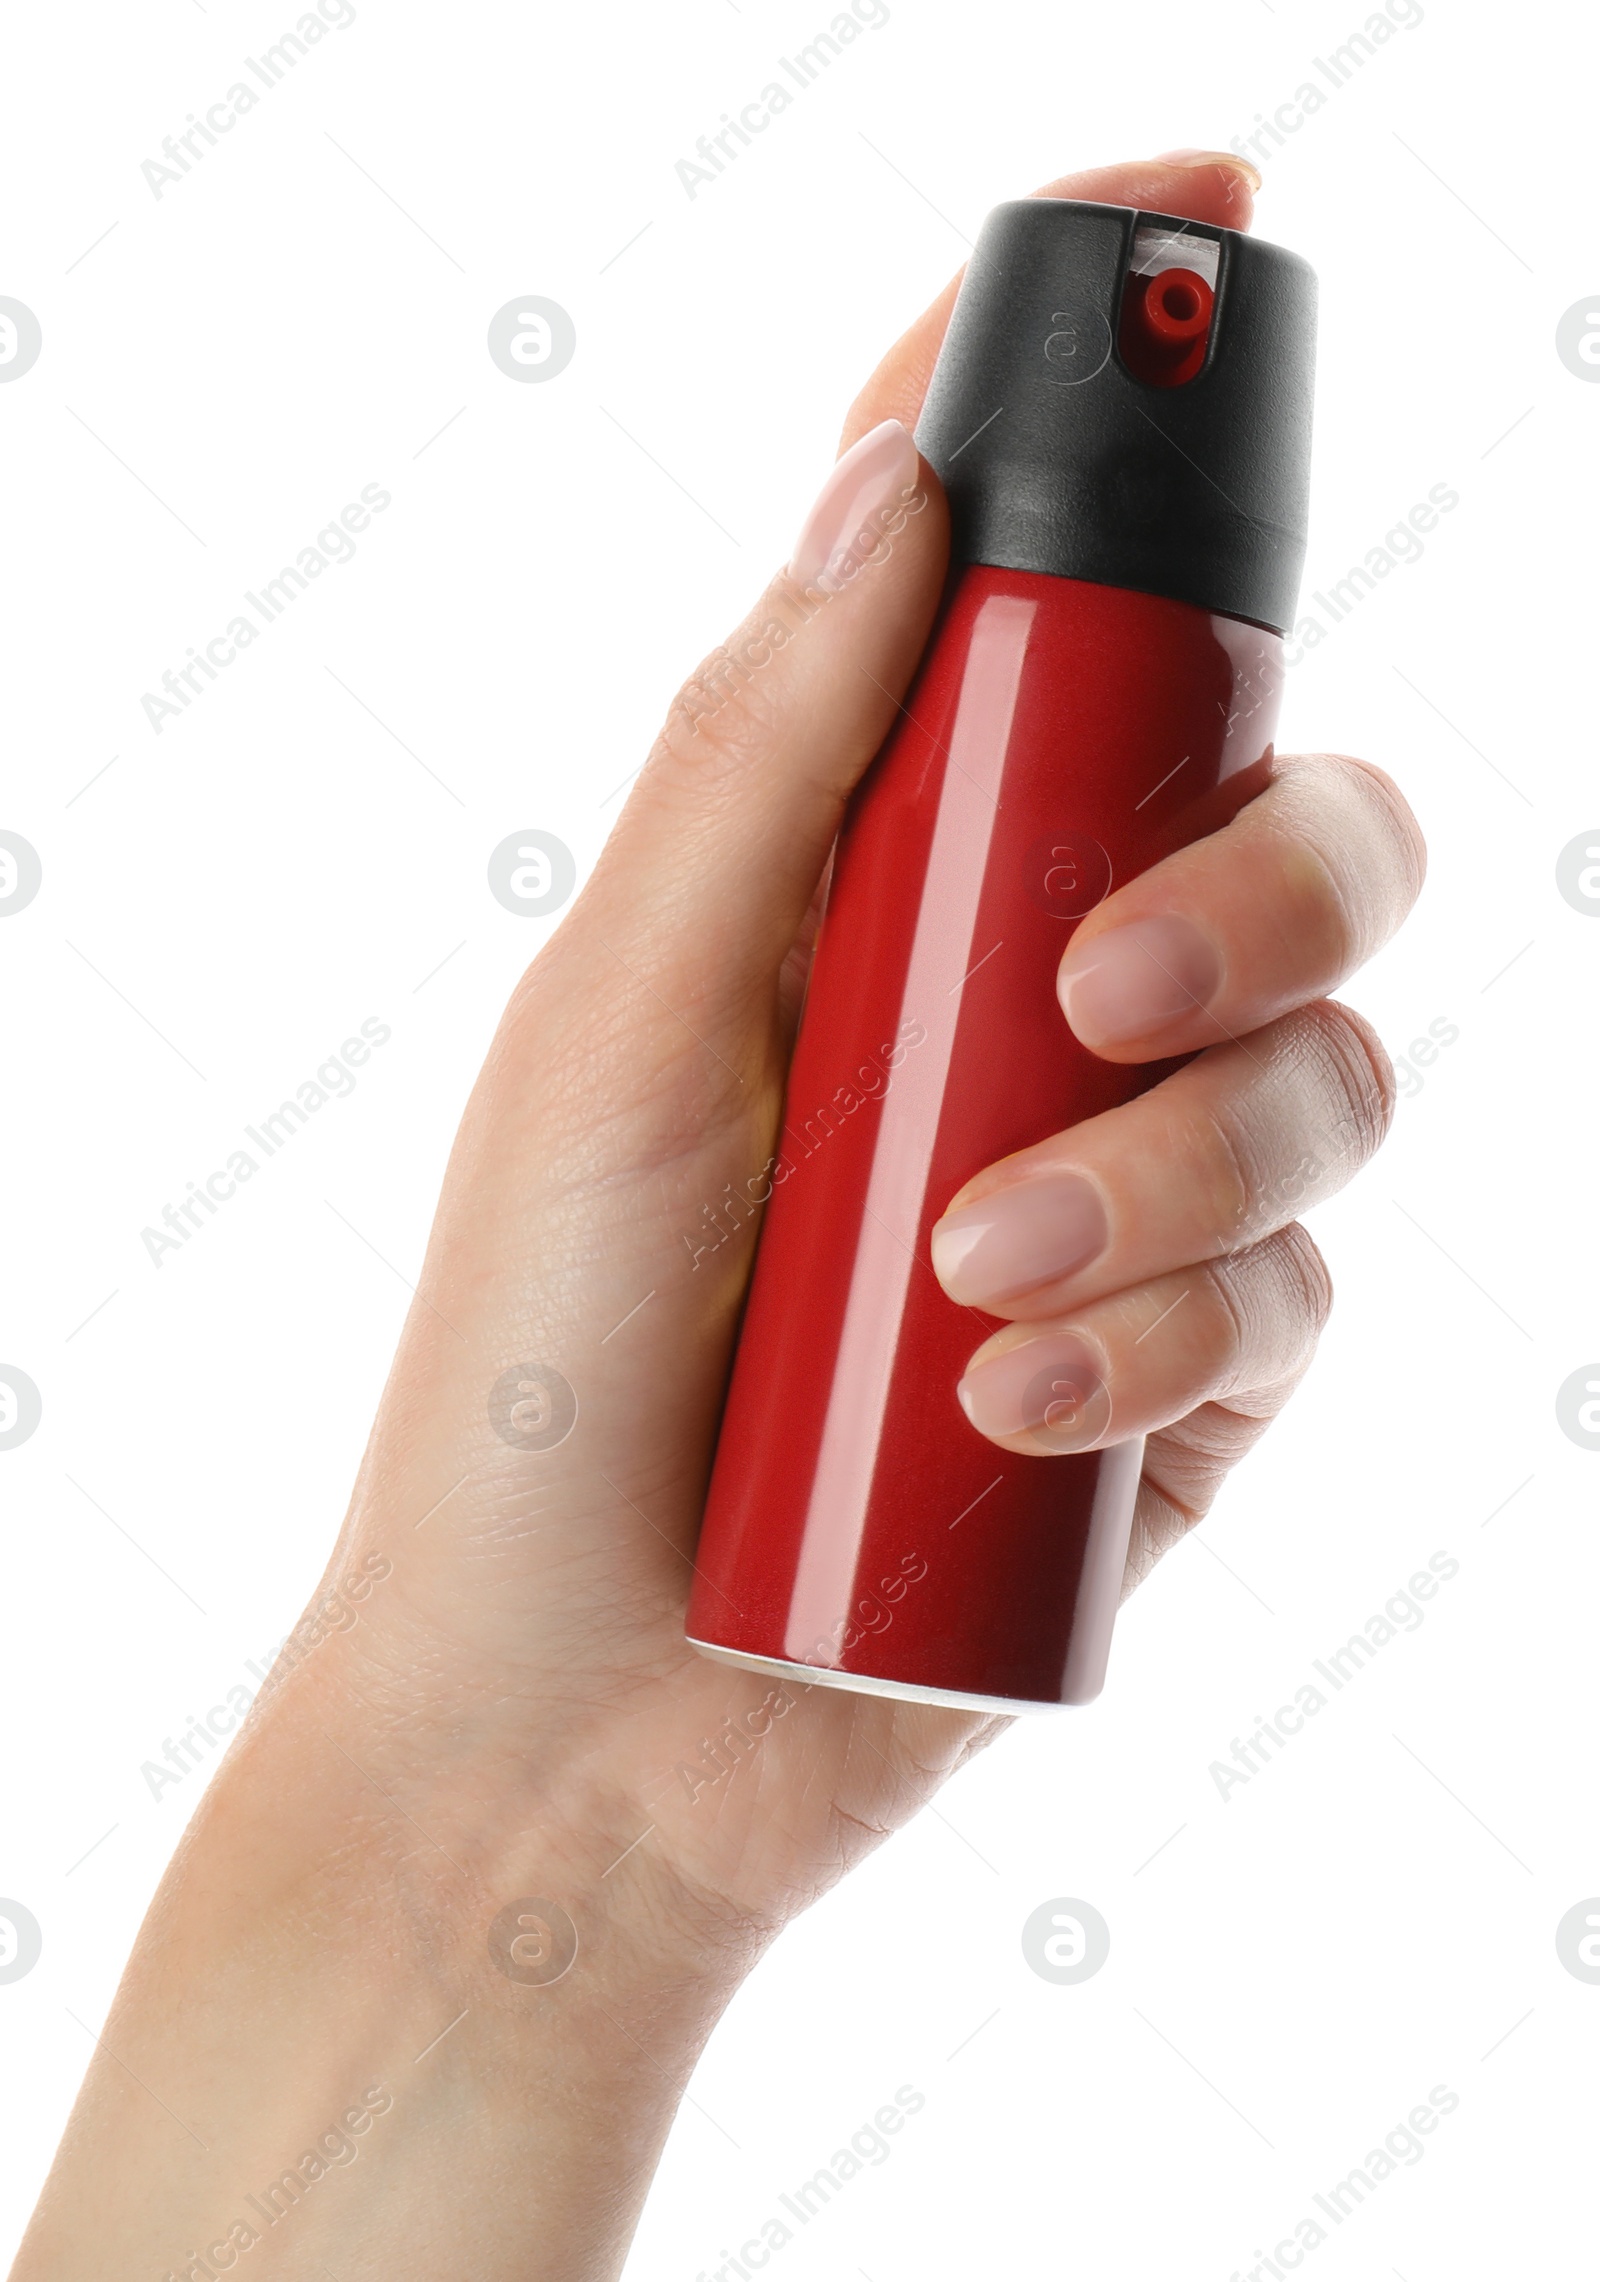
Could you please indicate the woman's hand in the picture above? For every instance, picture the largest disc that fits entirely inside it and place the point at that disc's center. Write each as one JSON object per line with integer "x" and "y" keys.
{"x": 1156, "y": 1246}
{"x": 497, "y": 1846}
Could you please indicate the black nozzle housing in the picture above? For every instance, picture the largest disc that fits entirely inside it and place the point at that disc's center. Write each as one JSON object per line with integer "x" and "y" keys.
{"x": 1057, "y": 459}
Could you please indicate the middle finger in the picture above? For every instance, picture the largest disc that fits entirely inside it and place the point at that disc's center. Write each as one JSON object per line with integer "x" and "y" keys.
{"x": 1230, "y": 1148}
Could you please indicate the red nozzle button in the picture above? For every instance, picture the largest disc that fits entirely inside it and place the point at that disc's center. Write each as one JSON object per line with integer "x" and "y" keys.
{"x": 1166, "y": 322}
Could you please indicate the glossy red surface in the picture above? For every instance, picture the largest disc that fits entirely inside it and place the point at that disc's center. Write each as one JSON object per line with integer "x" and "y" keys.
{"x": 1060, "y": 737}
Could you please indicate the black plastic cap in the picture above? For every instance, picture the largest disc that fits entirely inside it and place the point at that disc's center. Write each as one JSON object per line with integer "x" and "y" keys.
{"x": 1057, "y": 459}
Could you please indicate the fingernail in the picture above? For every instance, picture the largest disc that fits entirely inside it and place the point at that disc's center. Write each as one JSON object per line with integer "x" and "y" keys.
{"x": 1241, "y": 166}
{"x": 874, "y": 474}
{"x": 1019, "y": 1238}
{"x": 1137, "y": 979}
{"x": 1049, "y": 1390}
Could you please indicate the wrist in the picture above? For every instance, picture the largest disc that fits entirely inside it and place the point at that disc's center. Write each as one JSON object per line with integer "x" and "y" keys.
{"x": 390, "y": 2020}
{"x": 552, "y": 1864}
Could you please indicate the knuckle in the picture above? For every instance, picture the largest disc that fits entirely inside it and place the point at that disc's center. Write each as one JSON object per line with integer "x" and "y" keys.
{"x": 1306, "y": 1279}
{"x": 1312, "y": 1112}
{"x": 1389, "y": 804}
{"x": 1392, "y": 831}
{"x": 722, "y": 722}
{"x": 1354, "y": 1078}
{"x": 1235, "y": 1174}
{"x": 1272, "y": 1303}
{"x": 1187, "y": 1464}
{"x": 1229, "y": 1286}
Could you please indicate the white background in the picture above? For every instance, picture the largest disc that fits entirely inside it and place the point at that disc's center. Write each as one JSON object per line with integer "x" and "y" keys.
{"x": 1374, "y": 1914}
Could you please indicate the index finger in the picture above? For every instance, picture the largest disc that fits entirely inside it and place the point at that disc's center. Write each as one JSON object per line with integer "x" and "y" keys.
{"x": 1198, "y": 186}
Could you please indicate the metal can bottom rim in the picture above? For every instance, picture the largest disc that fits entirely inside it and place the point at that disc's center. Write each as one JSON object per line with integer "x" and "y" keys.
{"x": 860, "y": 1683}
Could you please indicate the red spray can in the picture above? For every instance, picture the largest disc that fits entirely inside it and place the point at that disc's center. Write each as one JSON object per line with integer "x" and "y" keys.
{"x": 1120, "y": 416}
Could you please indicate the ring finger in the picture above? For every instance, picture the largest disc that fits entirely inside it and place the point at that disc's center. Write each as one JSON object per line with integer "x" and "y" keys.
{"x": 1140, "y": 1360}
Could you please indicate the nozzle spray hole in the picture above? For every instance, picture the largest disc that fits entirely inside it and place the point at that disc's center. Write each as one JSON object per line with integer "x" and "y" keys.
{"x": 1165, "y": 326}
